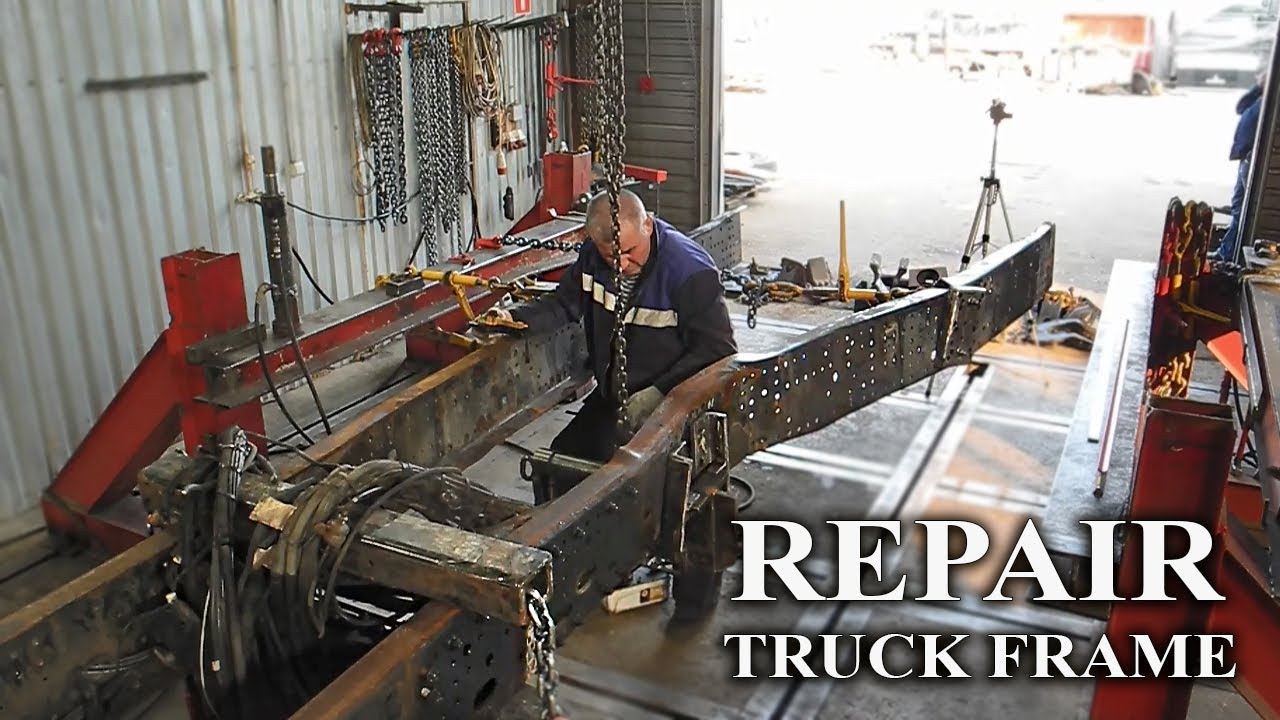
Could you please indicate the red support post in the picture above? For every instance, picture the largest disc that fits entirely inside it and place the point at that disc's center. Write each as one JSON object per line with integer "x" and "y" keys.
{"x": 645, "y": 174}
{"x": 140, "y": 422}
{"x": 1184, "y": 455}
{"x": 90, "y": 497}
{"x": 205, "y": 292}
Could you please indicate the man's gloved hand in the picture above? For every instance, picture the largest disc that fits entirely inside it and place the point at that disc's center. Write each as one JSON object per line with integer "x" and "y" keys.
{"x": 498, "y": 313}
{"x": 641, "y": 405}
{"x": 498, "y": 319}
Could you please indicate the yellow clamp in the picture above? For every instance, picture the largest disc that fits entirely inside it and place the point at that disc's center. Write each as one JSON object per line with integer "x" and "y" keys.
{"x": 1197, "y": 310}
{"x": 458, "y": 282}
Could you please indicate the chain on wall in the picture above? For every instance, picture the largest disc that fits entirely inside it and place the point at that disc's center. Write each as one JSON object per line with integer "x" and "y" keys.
{"x": 382, "y": 50}
{"x": 585, "y": 25}
{"x": 455, "y": 123}
{"x": 440, "y": 137}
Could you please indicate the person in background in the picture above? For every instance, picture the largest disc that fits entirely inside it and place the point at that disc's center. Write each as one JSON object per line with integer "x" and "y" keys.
{"x": 1249, "y": 107}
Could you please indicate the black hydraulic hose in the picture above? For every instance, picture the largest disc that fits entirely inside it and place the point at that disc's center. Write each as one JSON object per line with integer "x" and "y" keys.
{"x": 417, "y": 245}
{"x": 233, "y": 457}
{"x": 302, "y": 265}
{"x": 1248, "y": 436}
{"x": 311, "y": 383}
{"x": 354, "y": 531}
{"x": 266, "y": 371}
{"x": 287, "y": 658}
{"x": 291, "y": 448}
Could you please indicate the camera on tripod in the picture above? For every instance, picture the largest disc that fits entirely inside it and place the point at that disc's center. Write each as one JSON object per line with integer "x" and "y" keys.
{"x": 997, "y": 111}
{"x": 991, "y": 194}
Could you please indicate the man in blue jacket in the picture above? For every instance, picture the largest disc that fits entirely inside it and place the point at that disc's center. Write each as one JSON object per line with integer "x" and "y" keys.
{"x": 676, "y": 319}
{"x": 1248, "y": 108}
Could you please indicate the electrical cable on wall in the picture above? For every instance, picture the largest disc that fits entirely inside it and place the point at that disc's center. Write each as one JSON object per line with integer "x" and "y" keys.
{"x": 380, "y": 217}
{"x": 478, "y": 51}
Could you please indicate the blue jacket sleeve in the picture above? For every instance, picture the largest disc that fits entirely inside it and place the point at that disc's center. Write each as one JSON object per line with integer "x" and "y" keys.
{"x": 1246, "y": 131}
{"x": 557, "y": 309}
{"x": 704, "y": 327}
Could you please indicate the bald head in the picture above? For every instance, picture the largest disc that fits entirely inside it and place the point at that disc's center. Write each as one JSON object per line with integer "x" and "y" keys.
{"x": 630, "y": 208}
{"x": 634, "y": 229}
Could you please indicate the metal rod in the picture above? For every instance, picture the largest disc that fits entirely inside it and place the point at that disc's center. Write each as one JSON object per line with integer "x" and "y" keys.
{"x": 275, "y": 225}
{"x": 844, "y": 258}
{"x": 1108, "y": 440}
{"x": 1098, "y": 419}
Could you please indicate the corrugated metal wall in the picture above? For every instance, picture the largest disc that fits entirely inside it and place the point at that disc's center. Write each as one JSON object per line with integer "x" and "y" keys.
{"x": 97, "y": 186}
{"x": 677, "y": 127}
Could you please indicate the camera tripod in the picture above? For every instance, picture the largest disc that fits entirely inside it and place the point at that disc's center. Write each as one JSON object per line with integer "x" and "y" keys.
{"x": 991, "y": 194}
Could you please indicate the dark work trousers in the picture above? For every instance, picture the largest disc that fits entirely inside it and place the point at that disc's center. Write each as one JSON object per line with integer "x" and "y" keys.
{"x": 1229, "y": 250}
{"x": 590, "y": 435}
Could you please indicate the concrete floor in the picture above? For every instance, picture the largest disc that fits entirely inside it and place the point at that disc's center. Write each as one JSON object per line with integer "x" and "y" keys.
{"x": 905, "y": 147}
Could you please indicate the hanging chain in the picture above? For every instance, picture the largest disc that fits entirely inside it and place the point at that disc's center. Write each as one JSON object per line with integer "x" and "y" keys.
{"x": 549, "y": 40}
{"x": 586, "y": 26}
{"x": 421, "y": 72}
{"x": 543, "y": 628}
{"x": 446, "y": 107}
{"x": 377, "y": 99}
{"x": 396, "y": 112}
{"x": 382, "y": 51}
{"x": 438, "y": 124}
{"x": 755, "y": 297}
{"x": 454, "y": 124}
{"x": 610, "y": 109}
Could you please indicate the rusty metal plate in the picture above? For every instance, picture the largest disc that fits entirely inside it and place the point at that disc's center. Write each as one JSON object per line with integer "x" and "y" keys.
{"x": 474, "y": 571}
{"x": 841, "y": 367}
{"x": 59, "y": 656}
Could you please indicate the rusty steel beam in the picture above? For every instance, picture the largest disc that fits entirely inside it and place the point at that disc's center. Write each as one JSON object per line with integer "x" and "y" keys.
{"x": 603, "y": 528}
{"x": 342, "y": 330}
{"x": 482, "y": 574}
{"x": 61, "y": 655}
